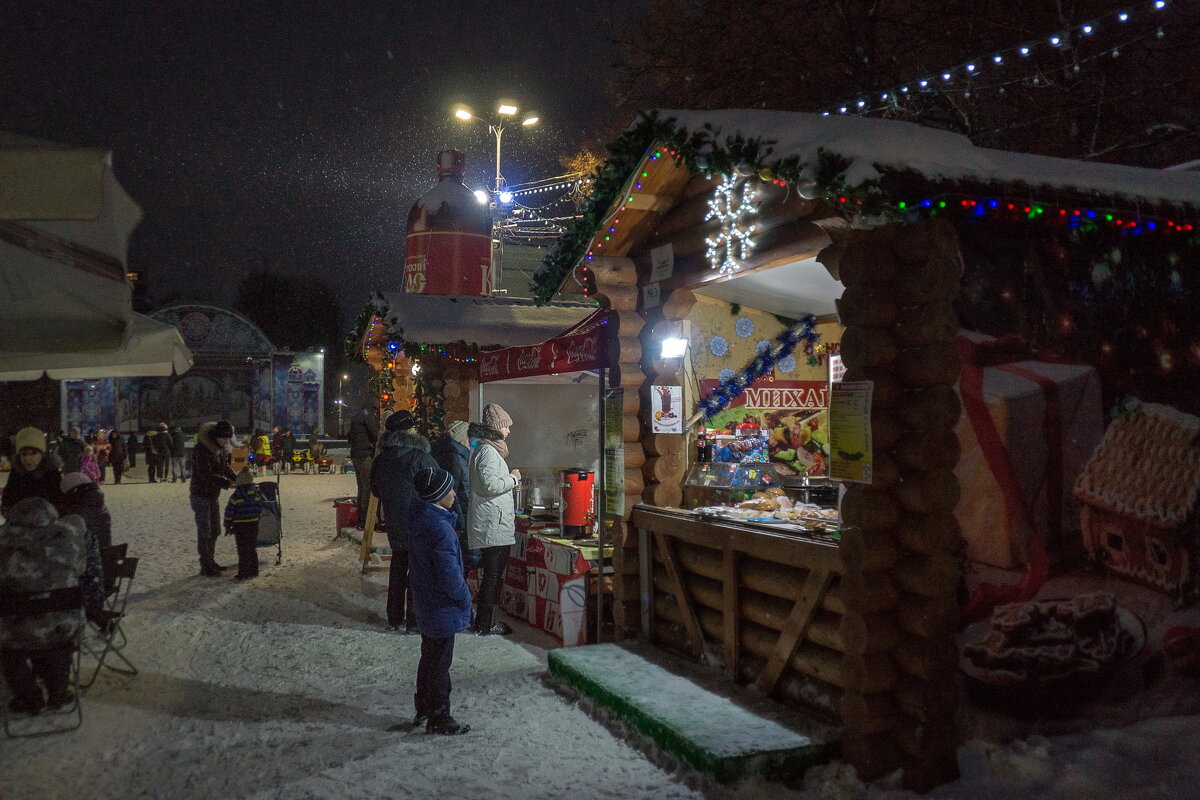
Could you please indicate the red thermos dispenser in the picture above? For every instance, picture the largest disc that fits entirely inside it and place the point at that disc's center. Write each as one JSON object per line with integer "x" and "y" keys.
{"x": 578, "y": 511}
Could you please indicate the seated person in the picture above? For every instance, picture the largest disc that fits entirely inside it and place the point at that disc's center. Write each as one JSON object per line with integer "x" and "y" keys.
{"x": 39, "y": 552}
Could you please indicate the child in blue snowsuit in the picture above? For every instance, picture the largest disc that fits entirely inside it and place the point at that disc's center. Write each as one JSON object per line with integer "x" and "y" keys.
{"x": 242, "y": 514}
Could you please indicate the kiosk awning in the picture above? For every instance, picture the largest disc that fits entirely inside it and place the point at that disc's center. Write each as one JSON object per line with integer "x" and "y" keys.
{"x": 581, "y": 348}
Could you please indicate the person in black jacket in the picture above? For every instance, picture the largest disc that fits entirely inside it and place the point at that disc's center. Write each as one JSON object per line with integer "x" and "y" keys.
{"x": 162, "y": 447}
{"x": 364, "y": 433}
{"x": 83, "y": 497}
{"x": 178, "y": 453}
{"x": 151, "y": 453}
{"x": 210, "y": 474}
{"x": 70, "y": 450}
{"x": 35, "y": 472}
{"x": 451, "y": 451}
{"x": 403, "y": 453}
{"x": 117, "y": 453}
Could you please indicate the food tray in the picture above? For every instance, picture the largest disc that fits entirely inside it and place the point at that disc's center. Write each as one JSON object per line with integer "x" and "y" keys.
{"x": 1054, "y": 696}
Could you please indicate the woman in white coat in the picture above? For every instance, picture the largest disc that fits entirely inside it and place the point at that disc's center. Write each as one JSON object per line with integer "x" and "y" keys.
{"x": 491, "y": 517}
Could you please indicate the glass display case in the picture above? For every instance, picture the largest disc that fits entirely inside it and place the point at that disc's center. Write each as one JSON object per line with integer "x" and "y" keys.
{"x": 722, "y": 483}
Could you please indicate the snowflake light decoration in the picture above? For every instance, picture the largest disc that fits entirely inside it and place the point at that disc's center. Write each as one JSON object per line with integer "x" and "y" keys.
{"x": 732, "y": 208}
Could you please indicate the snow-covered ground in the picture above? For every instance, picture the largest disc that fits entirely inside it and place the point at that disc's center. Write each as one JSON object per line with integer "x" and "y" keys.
{"x": 286, "y": 687}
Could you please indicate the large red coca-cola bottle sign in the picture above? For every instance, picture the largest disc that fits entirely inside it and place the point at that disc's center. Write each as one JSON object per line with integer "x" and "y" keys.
{"x": 449, "y": 237}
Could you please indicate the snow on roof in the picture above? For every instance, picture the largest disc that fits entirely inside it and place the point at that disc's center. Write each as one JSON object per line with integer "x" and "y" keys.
{"x": 938, "y": 155}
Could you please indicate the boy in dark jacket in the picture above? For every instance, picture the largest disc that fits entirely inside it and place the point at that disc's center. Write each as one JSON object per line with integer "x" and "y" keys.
{"x": 210, "y": 474}
{"x": 35, "y": 472}
{"x": 443, "y": 602}
{"x": 242, "y": 514}
{"x": 404, "y": 453}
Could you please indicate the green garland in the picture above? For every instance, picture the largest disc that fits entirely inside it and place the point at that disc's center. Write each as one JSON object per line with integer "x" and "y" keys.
{"x": 702, "y": 153}
{"x": 350, "y": 349}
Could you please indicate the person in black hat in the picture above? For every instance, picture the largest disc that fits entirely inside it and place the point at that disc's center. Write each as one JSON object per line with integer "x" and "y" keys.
{"x": 363, "y": 438}
{"x": 210, "y": 474}
{"x": 403, "y": 453}
{"x": 443, "y": 601}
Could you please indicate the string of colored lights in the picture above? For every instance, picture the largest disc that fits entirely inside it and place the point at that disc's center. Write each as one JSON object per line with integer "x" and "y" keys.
{"x": 944, "y": 80}
{"x": 1070, "y": 216}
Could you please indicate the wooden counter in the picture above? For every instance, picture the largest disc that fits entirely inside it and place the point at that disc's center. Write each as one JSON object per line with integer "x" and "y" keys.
{"x": 764, "y": 602}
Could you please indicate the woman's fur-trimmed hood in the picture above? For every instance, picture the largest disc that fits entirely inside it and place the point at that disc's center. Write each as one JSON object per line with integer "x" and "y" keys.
{"x": 206, "y": 437}
{"x": 477, "y": 430}
{"x": 404, "y": 439}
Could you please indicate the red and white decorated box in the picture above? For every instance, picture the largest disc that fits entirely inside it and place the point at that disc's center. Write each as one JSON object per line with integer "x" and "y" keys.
{"x": 1017, "y": 475}
{"x": 545, "y": 584}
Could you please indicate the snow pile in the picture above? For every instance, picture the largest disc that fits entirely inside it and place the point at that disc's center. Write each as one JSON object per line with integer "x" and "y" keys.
{"x": 286, "y": 687}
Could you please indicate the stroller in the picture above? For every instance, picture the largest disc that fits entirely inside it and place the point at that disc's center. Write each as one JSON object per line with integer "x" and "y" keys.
{"x": 270, "y": 524}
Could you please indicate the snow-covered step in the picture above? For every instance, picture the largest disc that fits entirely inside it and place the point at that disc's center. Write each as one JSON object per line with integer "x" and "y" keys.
{"x": 710, "y": 731}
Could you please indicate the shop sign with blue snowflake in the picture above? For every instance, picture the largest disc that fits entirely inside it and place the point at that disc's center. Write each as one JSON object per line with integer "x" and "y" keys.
{"x": 732, "y": 206}
{"x": 718, "y": 346}
{"x": 744, "y": 327}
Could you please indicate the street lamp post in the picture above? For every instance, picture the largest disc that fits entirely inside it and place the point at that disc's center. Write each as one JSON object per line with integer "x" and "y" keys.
{"x": 507, "y": 112}
{"x": 341, "y": 404}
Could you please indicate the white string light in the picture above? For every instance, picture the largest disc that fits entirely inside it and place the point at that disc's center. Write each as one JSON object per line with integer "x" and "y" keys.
{"x": 970, "y": 69}
{"x": 729, "y": 248}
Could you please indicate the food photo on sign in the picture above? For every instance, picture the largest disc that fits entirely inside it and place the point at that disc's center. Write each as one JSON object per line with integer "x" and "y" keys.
{"x": 793, "y": 417}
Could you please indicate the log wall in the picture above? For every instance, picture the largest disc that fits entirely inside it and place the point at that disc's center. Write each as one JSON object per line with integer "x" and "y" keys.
{"x": 617, "y": 286}
{"x": 899, "y": 533}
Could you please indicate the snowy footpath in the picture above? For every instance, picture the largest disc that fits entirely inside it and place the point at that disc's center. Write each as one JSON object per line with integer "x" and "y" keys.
{"x": 287, "y": 687}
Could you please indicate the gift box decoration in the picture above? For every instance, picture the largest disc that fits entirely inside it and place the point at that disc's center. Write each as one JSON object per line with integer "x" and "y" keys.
{"x": 1028, "y": 427}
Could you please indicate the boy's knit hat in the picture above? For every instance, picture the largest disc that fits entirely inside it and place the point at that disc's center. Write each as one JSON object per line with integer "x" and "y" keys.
{"x": 30, "y": 437}
{"x": 432, "y": 484}
{"x": 458, "y": 431}
{"x": 244, "y": 478}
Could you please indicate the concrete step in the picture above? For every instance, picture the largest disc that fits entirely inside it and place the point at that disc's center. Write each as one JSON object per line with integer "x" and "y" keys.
{"x": 724, "y": 730}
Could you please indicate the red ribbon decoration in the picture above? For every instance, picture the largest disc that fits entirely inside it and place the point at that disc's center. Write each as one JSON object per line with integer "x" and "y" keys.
{"x": 1000, "y": 353}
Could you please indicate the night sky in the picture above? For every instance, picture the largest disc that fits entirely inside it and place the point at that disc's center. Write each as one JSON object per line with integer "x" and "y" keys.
{"x": 296, "y": 135}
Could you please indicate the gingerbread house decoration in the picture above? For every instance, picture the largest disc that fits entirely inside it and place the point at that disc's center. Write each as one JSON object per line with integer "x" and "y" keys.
{"x": 1139, "y": 495}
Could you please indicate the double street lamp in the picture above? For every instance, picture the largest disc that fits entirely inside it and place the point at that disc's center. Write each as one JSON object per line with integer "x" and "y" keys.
{"x": 507, "y": 115}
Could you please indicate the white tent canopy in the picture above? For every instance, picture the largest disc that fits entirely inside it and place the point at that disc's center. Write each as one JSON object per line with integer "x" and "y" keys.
{"x": 152, "y": 348}
{"x": 65, "y": 298}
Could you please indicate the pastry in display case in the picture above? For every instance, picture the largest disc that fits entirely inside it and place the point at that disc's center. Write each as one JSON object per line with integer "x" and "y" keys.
{"x": 751, "y": 492}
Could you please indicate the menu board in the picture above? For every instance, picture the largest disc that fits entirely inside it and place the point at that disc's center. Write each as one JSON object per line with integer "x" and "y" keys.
{"x": 850, "y": 431}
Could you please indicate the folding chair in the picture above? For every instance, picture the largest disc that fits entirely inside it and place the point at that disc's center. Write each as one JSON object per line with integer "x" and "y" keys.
{"x": 110, "y": 557}
{"x": 28, "y": 604}
{"x": 106, "y": 637}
